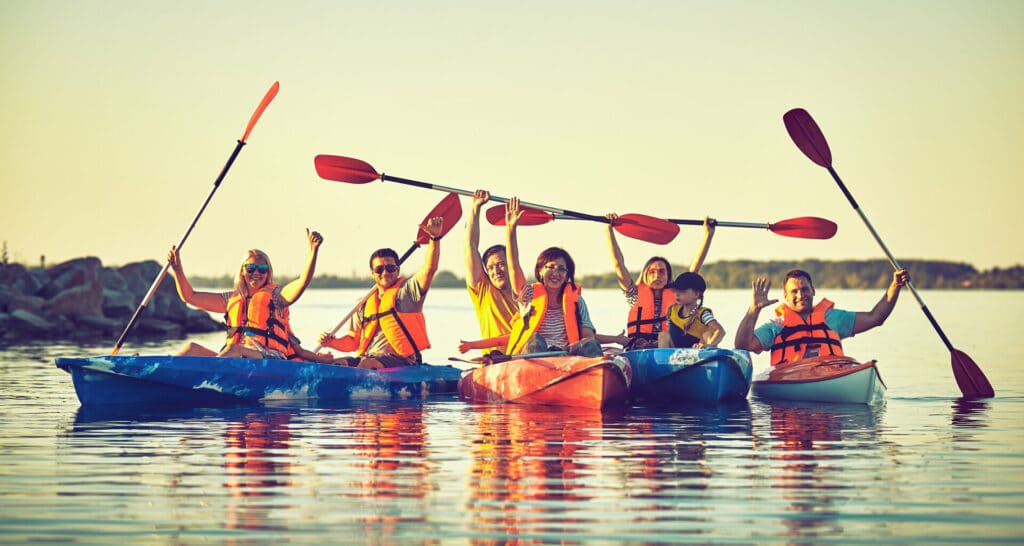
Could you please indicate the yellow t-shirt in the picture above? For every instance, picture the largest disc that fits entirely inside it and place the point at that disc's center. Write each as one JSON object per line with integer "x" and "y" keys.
{"x": 494, "y": 310}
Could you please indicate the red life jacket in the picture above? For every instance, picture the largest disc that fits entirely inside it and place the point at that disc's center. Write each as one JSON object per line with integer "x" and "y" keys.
{"x": 259, "y": 318}
{"x": 643, "y": 316}
{"x": 524, "y": 327}
{"x": 800, "y": 339}
{"x": 405, "y": 332}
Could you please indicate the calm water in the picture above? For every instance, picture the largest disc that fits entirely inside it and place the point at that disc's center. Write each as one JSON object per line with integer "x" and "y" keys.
{"x": 922, "y": 468}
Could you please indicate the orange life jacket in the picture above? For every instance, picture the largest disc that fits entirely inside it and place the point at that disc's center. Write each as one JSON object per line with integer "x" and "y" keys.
{"x": 800, "y": 339}
{"x": 524, "y": 327}
{"x": 405, "y": 332}
{"x": 259, "y": 318}
{"x": 643, "y": 316}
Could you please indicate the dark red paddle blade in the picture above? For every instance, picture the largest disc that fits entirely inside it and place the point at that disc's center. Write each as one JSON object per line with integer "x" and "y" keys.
{"x": 271, "y": 93}
{"x": 969, "y": 377}
{"x": 807, "y": 136}
{"x": 805, "y": 227}
{"x": 646, "y": 228}
{"x": 450, "y": 209}
{"x": 531, "y": 217}
{"x": 344, "y": 169}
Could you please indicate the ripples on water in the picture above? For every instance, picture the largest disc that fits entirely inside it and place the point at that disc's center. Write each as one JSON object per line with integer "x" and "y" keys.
{"x": 914, "y": 470}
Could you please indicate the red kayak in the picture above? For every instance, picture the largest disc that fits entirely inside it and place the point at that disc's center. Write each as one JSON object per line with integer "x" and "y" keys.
{"x": 575, "y": 381}
{"x": 822, "y": 379}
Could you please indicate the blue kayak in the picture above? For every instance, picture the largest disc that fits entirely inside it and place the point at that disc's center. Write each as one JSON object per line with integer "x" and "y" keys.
{"x": 682, "y": 376}
{"x": 200, "y": 380}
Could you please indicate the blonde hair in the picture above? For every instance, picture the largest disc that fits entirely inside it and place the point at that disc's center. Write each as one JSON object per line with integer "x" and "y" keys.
{"x": 241, "y": 287}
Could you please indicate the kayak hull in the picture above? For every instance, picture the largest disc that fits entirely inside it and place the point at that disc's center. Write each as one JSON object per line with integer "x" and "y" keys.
{"x": 837, "y": 379}
{"x": 573, "y": 381}
{"x": 192, "y": 380}
{"x": 689, "y": 376}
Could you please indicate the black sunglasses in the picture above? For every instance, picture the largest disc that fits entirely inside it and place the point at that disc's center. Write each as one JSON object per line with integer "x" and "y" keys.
{"x": 251, "y": 268}
{"x": 390, "y": 268}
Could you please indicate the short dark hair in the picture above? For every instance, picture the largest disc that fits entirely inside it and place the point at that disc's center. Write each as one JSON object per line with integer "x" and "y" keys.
{"x": 551, "y": 254}
{"x": 383, "y": 253}
{"x": 493, "y": 249}
{"x": 796, "y": 274}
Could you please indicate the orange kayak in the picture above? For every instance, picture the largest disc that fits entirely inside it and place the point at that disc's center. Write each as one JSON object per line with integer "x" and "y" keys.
{"x": 576, "y": 381}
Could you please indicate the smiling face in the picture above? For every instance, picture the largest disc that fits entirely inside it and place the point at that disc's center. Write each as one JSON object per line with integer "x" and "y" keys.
{"x": 799, "y": 293}
{"x": 255, "y": 272}
{"x": 656, "y": 275}
{"x": 497, "y": 270}
{"x": 385, "y": 271}
{"x": 554, "y": 274}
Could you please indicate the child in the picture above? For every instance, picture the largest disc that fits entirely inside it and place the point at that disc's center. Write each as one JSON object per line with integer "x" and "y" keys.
{"x": 690, "y": 324}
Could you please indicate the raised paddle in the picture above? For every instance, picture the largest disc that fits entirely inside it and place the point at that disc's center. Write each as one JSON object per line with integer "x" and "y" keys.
{"x": 356, "y": 171}
{"x": 809, "y": 138}
{"x": 269, "y": 96}
{"x": 804, "y": 227}
{"x": 451, "y": 210}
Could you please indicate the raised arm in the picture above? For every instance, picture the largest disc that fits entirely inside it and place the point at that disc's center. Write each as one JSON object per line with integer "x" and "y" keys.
{"x": 291, "y": 291}
{"x": 745, "y": 338}
{"x": 702, "y": 252}
{"x": 474, "y": 267}
{"x": 207, "y": 301}
{"x": 876, "y": 316}
{"x": 433, "y": 229}
{"x": 515, "y": 271}
{"x": 621, "y": 273}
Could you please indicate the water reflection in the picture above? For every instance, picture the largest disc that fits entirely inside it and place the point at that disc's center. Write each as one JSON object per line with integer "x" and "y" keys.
{"x": 528, "y": 466}
{"x": 810, "y": 443}
{"x": 256, "y": 464}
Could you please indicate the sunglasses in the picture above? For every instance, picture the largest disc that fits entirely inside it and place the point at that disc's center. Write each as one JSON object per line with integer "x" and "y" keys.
{"x": 252, "y": 268}
{"x": 390, "y": 268}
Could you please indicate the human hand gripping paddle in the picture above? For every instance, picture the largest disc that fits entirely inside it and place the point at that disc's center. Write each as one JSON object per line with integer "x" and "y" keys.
{"x": 804, "y": 227}
{"x": 356, "y": 171}
{"x": 450, "y": 209}
{"x": 269, "y": 96}
{"x": 809, "y": 138}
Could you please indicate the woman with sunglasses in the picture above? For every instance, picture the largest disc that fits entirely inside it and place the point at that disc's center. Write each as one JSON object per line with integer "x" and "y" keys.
{"x": 256, "y": 310}
{"x": 389, "y": 331}
{"x": 646, "y": 296}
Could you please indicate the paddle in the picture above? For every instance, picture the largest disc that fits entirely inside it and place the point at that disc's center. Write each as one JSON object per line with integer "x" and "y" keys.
{"x": 809, "y": 138}
{"x": 355, "y": 171}
{"x": 451, "y": 210}
{"x": 804, "y": 227}
{"x": 269, "y": 96}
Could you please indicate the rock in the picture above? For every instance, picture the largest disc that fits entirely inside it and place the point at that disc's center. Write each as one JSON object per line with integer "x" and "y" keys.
{"x": 119, "y": 304}
{"x": 17, "y": 278}
{"x": 113, "y": 280}
{"x": 84, "y": 299}
{"x": 71, "y": 274}
{"x": 24, "y": 322}
{"x": 33, "y": 304}
{"x": 158, "y": 328}
{"x": 97, "y": 326}
{"x": 199, "y": 322}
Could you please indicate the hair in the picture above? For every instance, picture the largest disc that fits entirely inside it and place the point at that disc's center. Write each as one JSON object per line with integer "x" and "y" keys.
{"x": 241, "y": 287}
{"x": 493, "y": 249}
{"x": 551, "y": 254}
{"x": 796, "y": 274}
{"x": 643, "y": 271}
{"x": 383, "y": 253}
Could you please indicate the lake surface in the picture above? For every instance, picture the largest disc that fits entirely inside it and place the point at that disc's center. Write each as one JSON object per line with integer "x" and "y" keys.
{"x": 924, "y": 467}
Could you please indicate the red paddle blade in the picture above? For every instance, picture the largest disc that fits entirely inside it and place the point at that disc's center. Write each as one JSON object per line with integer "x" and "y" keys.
{"x": 807, "y": 136}
{"x": 344, "y": 169}
{"x": 450, "y": 209}
{"x": 531, "y": 217}
{"x": 805, "y": 227}
{"x": 969, "y": 377}
{"x": 646, "y": 228}
{"x": 271, "y": 93}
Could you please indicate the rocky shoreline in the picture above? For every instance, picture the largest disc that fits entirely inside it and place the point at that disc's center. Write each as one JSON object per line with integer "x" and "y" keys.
{"x": 81, "y": 300}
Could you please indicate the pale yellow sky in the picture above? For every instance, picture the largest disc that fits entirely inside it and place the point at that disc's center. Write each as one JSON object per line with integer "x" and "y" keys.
{"x": 118, "y": 116}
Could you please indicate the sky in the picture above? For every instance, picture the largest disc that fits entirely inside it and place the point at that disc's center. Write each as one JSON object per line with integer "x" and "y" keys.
{"x": 119, "y": 115}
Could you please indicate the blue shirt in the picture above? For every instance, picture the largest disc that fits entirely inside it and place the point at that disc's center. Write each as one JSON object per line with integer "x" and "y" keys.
{"x": 839, "y": 320}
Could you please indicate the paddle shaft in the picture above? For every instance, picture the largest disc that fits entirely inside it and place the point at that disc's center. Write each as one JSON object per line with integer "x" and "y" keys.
{"x": 181, "y": 243}
{"x": 691, "y": 222}
{"x": 553, "y": 210}
{"x": 892, "y": 259}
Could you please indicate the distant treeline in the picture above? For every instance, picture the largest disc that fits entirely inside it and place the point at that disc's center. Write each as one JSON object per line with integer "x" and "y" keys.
{"x": 739, "y": 273}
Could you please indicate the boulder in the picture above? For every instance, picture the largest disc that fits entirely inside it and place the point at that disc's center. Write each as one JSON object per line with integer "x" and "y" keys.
{"x": 80, "y": 300}
{"x": 27, "y": 323}
{"x": 93, "y": 326}
{"x": 200, "y": 322}
{"x": 158, "y": 328}
{"x": 119, "y": 304}
{"x": 17, "y": 278}
{"x": 72, "y": 274}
